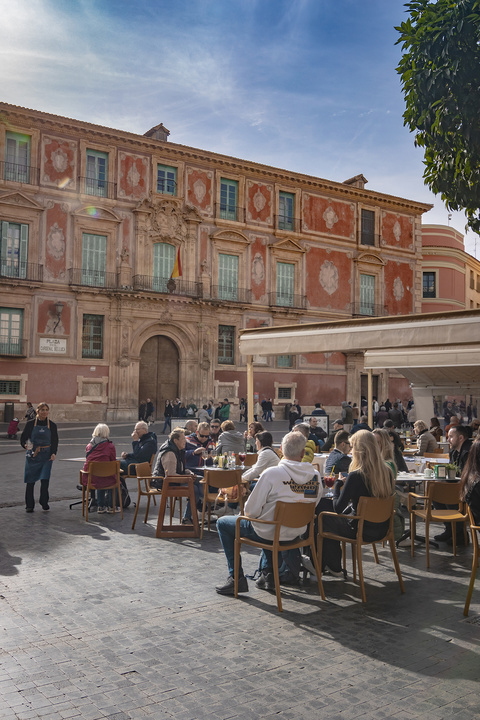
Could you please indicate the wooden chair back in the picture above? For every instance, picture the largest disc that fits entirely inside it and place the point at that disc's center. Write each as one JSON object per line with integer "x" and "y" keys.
{"x": 437, "y": 453}
{"x": 377, "y": 510}
{"x": 292, "y": 515}
{"x": 250, "y": 459}
{"x": 475, "y": 529}
{"x": 447, "y": 493}
{"x": 223, "y": 478}
{"x": 100, "y": 469}
{"x": 103, "y": 469}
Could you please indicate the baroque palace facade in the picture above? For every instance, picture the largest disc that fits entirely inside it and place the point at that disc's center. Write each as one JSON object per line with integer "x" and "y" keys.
{"x": 92, "y": 221}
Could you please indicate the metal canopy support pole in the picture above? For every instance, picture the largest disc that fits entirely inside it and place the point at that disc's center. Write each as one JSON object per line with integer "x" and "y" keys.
{"x": 370, "y": 398}
{"x": 250, "y": 407}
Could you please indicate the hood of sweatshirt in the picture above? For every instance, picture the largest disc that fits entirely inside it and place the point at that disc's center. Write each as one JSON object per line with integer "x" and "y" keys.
{"x": 300, "y": 472}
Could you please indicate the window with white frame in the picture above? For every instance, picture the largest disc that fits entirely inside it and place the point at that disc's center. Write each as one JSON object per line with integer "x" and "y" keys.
{"x": 166, "y": 179}
{"x": 92, "y": 336}
{"x": 367, "y": 294}
{"x": 11, "y": 328}
{"x": 163, "y": 263}
{"x": 97, "y": 173}
{"x": 14, "y": 250}
{"x": 367, "y": 235}
{"x": 226, "y": 344}
{"x": 285, "y": 284}
{"x": 17, "y": 157}
{"x": 228, "y": 199}
{"x": 285, "y": 210}
{"x": 429, "y": 289}
{"x": 94, "y": 259}
{"x": 227, "y": 276}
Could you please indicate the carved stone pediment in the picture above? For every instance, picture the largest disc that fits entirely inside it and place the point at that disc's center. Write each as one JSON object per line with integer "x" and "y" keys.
{"x": 370, "y": 258}
{"x": 288, "y": 245}
{"x": 90, "y": 211}
{"x": 230, "y": 236}
{"x": 18, "y": 199}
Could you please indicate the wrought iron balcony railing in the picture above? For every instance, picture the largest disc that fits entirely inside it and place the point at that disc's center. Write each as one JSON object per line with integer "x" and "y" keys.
{"x": 368, "y": 310}
{"x": 99, "y": 188}
{"x": 285, "y": 300}
{"x": 92, "y": 278}
{"x": 19, "y": 173}
{"x": 231, "y": 294}
{"x": 169, "y": 286}
{"x": 230, "y": 212}
{"x": 12, "y": 347}
{"x": 289, "y": 223}
{"x": 21, "y": 271}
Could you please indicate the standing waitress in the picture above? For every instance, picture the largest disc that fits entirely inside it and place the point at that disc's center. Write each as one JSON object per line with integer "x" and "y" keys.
{"x": 40, "y": 438}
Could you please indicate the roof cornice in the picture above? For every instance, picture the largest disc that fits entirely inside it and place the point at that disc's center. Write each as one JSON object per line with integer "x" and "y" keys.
{"x": 56, "y": 123}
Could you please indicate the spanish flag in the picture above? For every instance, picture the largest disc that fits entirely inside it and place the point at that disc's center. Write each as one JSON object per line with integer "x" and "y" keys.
{"x": 177, "y": 268}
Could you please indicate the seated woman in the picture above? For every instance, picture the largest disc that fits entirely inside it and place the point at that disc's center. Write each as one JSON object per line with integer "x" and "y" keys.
{"x": 253, "y": 429}
{"x": 267, "y": 457}
{"x": 470, "y": 481}
{"x": 369, "y": 476}
{"x": 425, "y": 441}
{"x": 386, "y": 446}
{"x": 230, "y": 440}
{"x": 100, "y": 449}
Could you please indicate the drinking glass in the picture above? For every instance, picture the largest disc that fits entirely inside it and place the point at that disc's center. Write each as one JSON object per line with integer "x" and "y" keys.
{"x": 242, "y": 458}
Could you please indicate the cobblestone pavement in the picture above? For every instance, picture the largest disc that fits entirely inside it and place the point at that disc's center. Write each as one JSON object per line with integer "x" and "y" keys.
{"x": 99, "y": 621}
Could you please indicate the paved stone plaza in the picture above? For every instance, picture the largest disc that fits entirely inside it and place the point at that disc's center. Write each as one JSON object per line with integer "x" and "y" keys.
{"x": 99, "y": 621}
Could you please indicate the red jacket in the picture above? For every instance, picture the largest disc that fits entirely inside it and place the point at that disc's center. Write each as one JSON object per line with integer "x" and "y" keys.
{"x": 103, "y": 452}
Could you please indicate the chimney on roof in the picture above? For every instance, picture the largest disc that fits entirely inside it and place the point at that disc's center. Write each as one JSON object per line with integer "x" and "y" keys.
{"x": 159, "y": 132}
{"x": 358, "y": 181}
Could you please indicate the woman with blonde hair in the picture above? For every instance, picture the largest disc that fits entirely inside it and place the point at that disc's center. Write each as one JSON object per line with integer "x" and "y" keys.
{"x": 425, "y": 441}
{"x": 369, "y": 476}
{"x": 385, "y": 445}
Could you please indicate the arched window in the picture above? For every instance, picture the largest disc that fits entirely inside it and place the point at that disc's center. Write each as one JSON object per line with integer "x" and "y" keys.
{"x": 163, "y": 262}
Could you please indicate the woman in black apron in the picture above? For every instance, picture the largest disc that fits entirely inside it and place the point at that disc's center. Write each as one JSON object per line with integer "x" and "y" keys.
{"x": 40, "y": 439}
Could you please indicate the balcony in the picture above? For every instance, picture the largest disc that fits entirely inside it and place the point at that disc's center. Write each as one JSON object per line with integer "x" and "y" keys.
{"x": 21, "y": 271}
{"x": 92, "y": 278}
{"x": 98, "y": 188}
{"x": 296, "y": 302}
{"x": 13, "y": 348}
{"x": 231, "y": 294}
{"x": 368, "y": 310}
{"x": 168, "y": 286}
{"x": 288, "y": 223}
{"x": 224, "y": 211}
{"x": 19, "y": 173}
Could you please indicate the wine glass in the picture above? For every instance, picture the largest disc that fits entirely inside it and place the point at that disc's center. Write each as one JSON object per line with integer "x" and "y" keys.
{"x": 242, "y": 457}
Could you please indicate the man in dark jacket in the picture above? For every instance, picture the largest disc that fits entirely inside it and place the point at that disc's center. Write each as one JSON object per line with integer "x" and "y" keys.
{"x": 144, "y": 445}
{"x": 330, "y": 441}
{"x": 362, "y": 425}
{"x": 338, "y": 460}
{"x": 460, "y": 444}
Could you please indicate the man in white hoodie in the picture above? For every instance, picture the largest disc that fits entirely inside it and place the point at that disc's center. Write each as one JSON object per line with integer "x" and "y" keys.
{"x": 290, "y": 481}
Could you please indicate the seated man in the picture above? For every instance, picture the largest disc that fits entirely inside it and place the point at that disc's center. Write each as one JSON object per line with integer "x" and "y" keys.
{"x": 267, "y": 457}
{"x": 144, "y": 444}
{"x": 190, "y": 427}
{"x": 196, "y": 444}
{"x": 330, "y": 441}
{"x": 362, "y": 425}
{"x": 317, "y": 433}
{"x": 318, "y": 410}
{"x": 290, "y": 481}
{"x": 338, "y": 460}
{"x": 171, "y": 457}
{"x": 460, "y": 444}
{"x": 310, "y": 447}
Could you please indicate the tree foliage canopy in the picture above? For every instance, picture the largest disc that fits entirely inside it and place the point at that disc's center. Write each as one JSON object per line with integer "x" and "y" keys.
{"x": 440, "y": 72}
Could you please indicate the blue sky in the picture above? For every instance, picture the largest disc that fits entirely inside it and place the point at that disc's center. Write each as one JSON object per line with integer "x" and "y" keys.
{"x": 306, "y": 85}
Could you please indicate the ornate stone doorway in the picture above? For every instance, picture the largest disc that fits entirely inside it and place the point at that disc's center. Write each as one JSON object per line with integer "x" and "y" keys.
{"x": 159, "y": 360}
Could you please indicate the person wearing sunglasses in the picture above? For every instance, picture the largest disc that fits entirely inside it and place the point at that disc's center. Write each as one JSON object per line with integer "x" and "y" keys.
{"x": 198, "y": 452}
